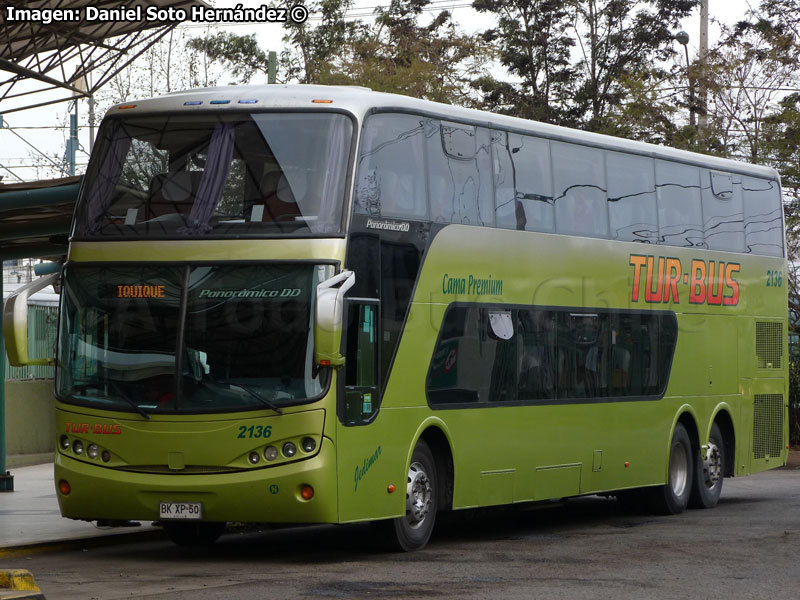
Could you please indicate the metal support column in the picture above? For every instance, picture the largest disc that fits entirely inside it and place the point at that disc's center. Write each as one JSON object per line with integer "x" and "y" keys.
{"x": 6, "y": 478}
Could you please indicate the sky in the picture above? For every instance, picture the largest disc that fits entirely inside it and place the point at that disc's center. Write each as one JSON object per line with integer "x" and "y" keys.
{"x": 45, "y": 128}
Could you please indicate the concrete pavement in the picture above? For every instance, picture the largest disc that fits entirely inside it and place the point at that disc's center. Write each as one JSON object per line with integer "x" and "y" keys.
{"x": 29, "y": 516}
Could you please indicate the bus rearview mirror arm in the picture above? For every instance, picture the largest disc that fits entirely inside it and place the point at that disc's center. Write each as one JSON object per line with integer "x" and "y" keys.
{"x": 328, "y": 316}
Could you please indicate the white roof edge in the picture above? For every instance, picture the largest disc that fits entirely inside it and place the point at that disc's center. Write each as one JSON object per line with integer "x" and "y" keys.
{"x": 360, "y": 100}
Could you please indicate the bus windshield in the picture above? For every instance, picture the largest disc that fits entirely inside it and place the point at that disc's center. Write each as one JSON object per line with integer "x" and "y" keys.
{"x": 240, "y": 337}
{"x": 211, "y": 174}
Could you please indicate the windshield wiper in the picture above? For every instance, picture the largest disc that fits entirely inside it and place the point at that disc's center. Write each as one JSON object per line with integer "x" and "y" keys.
{"x": 258, "y": 397}
{"x": 136, "y": 407}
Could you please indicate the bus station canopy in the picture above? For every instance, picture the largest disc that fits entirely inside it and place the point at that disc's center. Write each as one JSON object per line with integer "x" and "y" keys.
{"x": 35, "y": 217}
{"x": 57, "y": 56}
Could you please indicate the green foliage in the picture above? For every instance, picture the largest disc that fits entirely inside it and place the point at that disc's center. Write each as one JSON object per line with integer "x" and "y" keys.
{"x": 398, "y": 54}
{"x": 240, "y": 54}
{"x": 533, "y": 41}
{"x": 615, "y": 41}
{"x": 794, "y": 402}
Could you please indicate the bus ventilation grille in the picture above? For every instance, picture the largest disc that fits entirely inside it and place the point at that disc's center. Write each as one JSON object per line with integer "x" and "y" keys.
{"x": 188, "y": 470}
{"x": 767, "y": 425}
{"x": 769, "y": 344}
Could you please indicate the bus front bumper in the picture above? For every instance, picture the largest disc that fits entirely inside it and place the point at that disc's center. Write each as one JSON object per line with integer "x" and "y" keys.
{"x": 267, "y": 495}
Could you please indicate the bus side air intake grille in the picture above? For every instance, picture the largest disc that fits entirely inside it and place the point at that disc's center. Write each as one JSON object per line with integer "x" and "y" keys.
{"x": 769, "y": 344}
{"x": 767, "y": 425}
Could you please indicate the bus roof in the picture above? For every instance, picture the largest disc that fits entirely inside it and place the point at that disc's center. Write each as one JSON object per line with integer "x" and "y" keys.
{"x": 360, "y": 101}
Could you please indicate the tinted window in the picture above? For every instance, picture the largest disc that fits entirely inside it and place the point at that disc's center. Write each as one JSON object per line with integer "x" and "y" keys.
{"x": 390, "y": 180}
{"x": 680, "y": 216}
{"x": 523, "y": 186}
{"x": 498, "y": 355}
{"x": 632, "y": 211}
{"x": 763, "y": 225}
{"x": 723, "y": 213}
{"x": 459, "y": 174}
{"x": 579, "y": 190}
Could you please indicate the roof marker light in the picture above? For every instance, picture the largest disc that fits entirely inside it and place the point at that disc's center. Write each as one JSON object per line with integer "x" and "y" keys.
{"x": 248, "y": 101}
{"x": 318, "y": 101}
{"x": 126, "y": 106}
{"x": 193, "y": 103}
{"x": 220, "y": 102}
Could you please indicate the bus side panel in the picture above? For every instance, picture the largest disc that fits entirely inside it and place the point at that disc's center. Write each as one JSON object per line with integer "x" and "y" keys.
{"x": 370, "y": 459}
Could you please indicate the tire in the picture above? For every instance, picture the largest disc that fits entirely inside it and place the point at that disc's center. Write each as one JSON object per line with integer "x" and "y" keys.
{"x": 673, "y": 498}
{"x": 194, "y": 534}
{"x": 709, "y": 473}
{"x": 413, "y": 531}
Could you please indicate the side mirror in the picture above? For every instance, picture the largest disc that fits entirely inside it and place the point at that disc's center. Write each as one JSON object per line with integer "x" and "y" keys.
{"x": 15, "y": 322}
{"x": 328, "y": 315}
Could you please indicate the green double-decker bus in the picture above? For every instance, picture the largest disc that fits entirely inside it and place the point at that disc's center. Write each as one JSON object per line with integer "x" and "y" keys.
{"x": 303, "y": 304}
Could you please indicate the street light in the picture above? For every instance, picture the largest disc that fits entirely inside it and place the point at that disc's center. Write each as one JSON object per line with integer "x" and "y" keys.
{"x": 683, "y": 39}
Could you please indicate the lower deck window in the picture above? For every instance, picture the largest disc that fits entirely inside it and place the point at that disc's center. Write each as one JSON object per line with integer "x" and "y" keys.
{"x": 497, "y": 354}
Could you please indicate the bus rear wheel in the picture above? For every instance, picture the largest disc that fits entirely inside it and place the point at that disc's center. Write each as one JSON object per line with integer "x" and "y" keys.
{"x": 707, "y": 484}
{"x": 194, "y": 534}
{"x": 673, "y": 498}
{"x": 414, "y": 530}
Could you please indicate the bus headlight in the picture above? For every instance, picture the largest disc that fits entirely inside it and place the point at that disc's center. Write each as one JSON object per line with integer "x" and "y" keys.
{"x": 64, "y": 442}
{"x": 77, "y": 447}
{"x": 270, "y": 453}
{"x": 92, "y": 451}
{"x": 253, "y": 458}
{"x": 309, "y": 444}
{"x": 289, "y": 449}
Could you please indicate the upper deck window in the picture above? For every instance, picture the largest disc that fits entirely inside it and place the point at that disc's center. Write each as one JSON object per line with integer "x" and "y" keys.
{"x": 179, "y": 176}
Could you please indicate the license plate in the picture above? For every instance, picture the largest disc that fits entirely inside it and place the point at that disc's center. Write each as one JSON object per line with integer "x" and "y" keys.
{"x": 180, "y": 510}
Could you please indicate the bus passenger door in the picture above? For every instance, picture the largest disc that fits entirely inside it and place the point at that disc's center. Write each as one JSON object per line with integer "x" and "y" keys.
{"x": 365, "y": 454}
{"x": 361, "y": 391}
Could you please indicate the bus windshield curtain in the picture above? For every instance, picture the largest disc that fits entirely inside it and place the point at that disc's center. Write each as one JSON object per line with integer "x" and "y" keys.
{"x": 209, "y": 192}
{"x": 330, "y": 210}
{"x": 107, "y": 178}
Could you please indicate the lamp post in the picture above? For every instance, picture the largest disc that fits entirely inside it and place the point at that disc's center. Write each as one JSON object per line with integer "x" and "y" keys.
{"x": 683, "y": 39}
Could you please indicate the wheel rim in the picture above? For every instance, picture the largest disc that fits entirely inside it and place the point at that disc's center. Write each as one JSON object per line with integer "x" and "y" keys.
{"x": 678, "y": 470}
{"x": 712, "y": 465}
{"x": 419, "y": 495}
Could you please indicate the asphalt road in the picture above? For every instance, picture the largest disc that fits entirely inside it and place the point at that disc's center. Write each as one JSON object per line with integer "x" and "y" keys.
{"x": 747, "y": 547}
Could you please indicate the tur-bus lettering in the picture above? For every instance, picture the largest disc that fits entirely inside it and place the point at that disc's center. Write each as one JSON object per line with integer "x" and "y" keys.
{"x": 657, "y": 280}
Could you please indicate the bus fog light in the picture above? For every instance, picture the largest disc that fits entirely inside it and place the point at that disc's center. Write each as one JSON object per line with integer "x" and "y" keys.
{"x": 253, "y": 458}
{"x": 289, "y": 449}
{"x": 106, "y": 456}
{"x": 77, "y": 447}
{"x": 270, "y": 453}
{"x": 64, "y": 487}
{"x": 307, "y": 492}
{"x": 92, "y": 451}
{"x": 64, "y": 442}
{"x": 309, "y": 444}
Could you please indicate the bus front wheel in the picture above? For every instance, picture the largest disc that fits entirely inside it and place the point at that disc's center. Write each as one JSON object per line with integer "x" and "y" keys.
{"x": 194, "y": 534}
{"x": 673, "y": 498}
{"x": 708, "y": 476}
{"x": 414, "y": 530}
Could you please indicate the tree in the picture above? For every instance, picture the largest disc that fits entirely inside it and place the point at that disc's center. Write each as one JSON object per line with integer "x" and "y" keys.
{"x": 434, "y": 61}
{"x": 533, "y": 42}
{"x": 574, "y": 57}
{"x": 398, "y": 54}
{"x": 240, "y": 54}
{"x": 746, "y": 74}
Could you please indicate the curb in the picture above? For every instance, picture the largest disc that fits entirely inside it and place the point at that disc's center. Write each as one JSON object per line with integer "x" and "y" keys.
{"x": 18, "y": 584}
